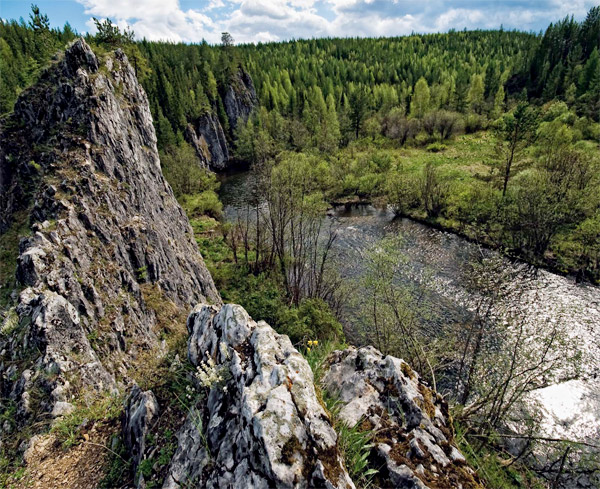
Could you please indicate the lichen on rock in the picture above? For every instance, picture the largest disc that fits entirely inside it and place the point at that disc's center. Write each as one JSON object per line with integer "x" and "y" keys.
{"x": 264, "y": 427}
{"x": 413, "y": 443}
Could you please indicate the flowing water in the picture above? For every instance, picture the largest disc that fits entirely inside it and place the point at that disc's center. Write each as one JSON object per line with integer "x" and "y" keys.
{"x": 571, "y": 408}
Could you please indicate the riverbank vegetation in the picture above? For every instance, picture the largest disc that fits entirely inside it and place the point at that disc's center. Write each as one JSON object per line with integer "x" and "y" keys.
{"x": 537, "y": 201}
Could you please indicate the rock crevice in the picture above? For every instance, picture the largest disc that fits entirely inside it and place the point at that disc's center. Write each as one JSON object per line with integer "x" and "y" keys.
{"x": 263, "y": 425}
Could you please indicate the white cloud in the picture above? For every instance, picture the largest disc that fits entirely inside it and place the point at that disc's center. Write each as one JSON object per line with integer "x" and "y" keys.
{"x": 156, "y": 19}
{"x": 272, "y": 20}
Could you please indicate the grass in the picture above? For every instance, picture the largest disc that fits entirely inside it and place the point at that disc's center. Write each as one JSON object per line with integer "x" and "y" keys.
{"x": 69, "y": 429}
{"x": 118, "y": 468}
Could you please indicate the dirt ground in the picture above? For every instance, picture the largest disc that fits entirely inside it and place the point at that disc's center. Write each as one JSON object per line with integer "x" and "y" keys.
{"x": 50, "y": 466}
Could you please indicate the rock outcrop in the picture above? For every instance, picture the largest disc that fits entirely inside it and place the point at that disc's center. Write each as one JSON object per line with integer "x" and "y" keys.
{"x": 111, "y": 260}
{"x": 413, "y": 438}
{"x": 240, "y": 98}
{"x": 256, "y": 419}
{"x": 261, "y": 424}
{"x": 208, "y": 139}
{"x": 206, "y": 135}
{"x": 141, "y": 412}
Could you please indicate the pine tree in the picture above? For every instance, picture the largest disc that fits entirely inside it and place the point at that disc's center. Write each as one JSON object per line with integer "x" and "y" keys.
{"x": 475, "y": 96}
{"x": 420, "y": 100}
{"x": 499, "y": 101}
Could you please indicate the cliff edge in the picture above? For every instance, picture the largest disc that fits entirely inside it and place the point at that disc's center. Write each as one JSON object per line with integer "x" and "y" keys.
{"x": 110, "y": 250}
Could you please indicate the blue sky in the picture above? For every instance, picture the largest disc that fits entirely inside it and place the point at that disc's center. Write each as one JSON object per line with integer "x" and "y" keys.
{"x": 274, "y": 20}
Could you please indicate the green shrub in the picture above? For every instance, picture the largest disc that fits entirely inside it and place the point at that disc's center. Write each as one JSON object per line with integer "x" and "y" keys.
{"x": 436, "y": 147}
{"x": 206, "y": 203}
{"x": 320, "y": 320}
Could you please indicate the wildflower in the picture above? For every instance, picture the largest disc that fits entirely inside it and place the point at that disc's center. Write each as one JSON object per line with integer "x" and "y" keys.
{"x": 308, "y": 349}
{"x": 315, "y": 343}
{"x": 210, "y": 374}
{"x": 224, "y": 350}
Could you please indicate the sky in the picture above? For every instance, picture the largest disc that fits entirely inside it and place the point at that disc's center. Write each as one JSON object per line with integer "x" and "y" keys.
{"x": 277, "y": 20}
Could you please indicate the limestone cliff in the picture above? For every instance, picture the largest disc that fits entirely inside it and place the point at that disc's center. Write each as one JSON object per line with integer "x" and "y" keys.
{"x": 240, "y": 98}
{"x": 208, "y": 139}
{"x": 206, "y": 135}
{"x": 111, "y": 256}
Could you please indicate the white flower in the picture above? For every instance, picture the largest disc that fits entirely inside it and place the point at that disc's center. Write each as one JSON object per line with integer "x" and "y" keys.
{"x": 224, "y": 350}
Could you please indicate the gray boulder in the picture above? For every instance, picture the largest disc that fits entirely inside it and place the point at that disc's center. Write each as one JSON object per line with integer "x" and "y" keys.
{"x": 261, "y": 425}
{"x": 413, "y": 445}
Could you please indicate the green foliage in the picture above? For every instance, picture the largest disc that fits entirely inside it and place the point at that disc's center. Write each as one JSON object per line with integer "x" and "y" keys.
{"x": 355, "y": 448}
{"x": 195, "y": 187}
{"x": 316, "y": 352}
{"x": 419, "y": 104}
{"x": 436, "y": 147}
{"x": 24, "y": 51}
{"x": 110, "y": 34}
{"x": 354, "y": 442}
{"x": 475, "y": 97}
{"x": 206, "y": 203}
{"x": 182, "y": 170}
{"x": 68, "y": 428}
{"x": 119, "y": 466}
{"x": 262, "y": 294}
{"x": 492, "y": 466}
{"x": 565, "y": 64}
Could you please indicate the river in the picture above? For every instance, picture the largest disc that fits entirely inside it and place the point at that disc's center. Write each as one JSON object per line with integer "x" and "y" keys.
{"x": 571, "y": 409}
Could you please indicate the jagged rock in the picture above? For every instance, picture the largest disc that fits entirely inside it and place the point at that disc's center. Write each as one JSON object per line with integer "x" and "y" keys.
{"x": 413, "y": 444}
{"x": 141, "y": 412}
{"x": 262, "y": 425}
{"x": 240, "y": 98}
{"x": 206, "y": 135}
{"x": 111, "y": 251}
{"x": 208, "y": 140}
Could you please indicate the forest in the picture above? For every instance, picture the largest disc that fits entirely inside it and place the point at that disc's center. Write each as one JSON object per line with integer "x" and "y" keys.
{"x": 493, "y": 135}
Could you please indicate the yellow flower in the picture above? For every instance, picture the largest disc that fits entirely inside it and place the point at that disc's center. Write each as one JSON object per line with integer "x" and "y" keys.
{"x": 310, "y": 342}
{"x": 308, "y": 349}
{"x": 316, "y": 342}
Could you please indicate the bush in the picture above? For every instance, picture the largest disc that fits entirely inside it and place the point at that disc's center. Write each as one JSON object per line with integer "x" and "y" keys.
{"x": 403, "y": 193}
{"x": 474, "y": 123}
{"x": 206, "y": 203}
{"x": 319, "y": 319}
{"x": 182, "y": 169}
{"x": 436, "y": 147}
